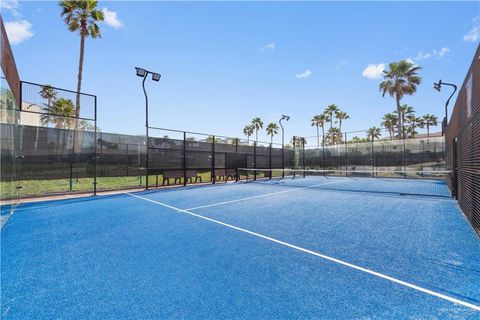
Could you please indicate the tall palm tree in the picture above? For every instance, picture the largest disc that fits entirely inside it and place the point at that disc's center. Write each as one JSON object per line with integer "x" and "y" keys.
{"x": 272, "y": 129}
{"x": 401, "y": 79}
{"x": 248, "y": 131}
{"x": 373, "y": 133}
{"x": 389, "y": 122}
{"x": 48, "y": 93}
{"x": 81, "y": 16}
{"x": 429, "y": 120}
{"x": 60, "y": 113}
{"x": 235, "y": 141}
{"x": 341, "y": 115}
{"x": 257, "y": 124}
{"x": 330, "y": 111}
{"x": 318, "y": 121}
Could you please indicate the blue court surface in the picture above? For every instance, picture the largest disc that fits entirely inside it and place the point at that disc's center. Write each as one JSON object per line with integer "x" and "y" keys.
{"x": 359, "y": 249}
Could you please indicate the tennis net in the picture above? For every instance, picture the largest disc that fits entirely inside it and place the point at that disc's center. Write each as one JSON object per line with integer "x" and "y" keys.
{"x": 400, "y": 183}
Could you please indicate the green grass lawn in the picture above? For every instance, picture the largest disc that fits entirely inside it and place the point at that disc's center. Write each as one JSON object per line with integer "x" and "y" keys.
{"x": 33, "y": 188}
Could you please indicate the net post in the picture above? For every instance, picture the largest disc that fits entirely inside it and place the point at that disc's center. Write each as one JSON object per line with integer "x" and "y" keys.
{"x": 184, "y": 163}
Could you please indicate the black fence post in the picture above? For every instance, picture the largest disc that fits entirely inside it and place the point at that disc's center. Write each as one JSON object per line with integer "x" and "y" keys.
{"x": 270, "y": 160}
{"x": 303, "y": 156}
{"x": 95, "y": 151}
{"x": 294, "y": 155}
{"x": 213, "y": 176}
{"x": 255, "y": 160}
{"x": 404, "y": 159}
{"x": 346, "y": 154}
{"x": 184, "y": 159}
{"x": 323, "y": 153}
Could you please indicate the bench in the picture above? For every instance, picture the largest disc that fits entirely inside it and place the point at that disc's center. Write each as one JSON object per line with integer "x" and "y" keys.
{"x": 178, "y": 175}
{"x": 224, "y": 174}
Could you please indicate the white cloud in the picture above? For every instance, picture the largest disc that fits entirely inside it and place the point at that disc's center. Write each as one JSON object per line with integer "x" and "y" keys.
{"x": 422, "y": 56}
{"x": 440, "y": 53}
{"x": 111, "y": 18}
{"x": 410, "y": 60}
{"x": 307, "y": 73}
{"x": 10, "y": 5}
{"x": 341, "y": 64}
{"x": 18, "y": 31}
{"x": 269, "y": 46}
{"x": 472, "y": 35}
{"x": 374, "y": 71}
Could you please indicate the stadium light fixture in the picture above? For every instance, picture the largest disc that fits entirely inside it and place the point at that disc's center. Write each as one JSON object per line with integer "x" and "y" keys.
{"x": 286, "y": 118}
{"x": 143, "y": 73}
{"x": 438, "y": 86}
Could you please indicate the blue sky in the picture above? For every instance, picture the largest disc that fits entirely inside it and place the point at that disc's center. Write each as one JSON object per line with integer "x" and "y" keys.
{"x": 223, "y": 63}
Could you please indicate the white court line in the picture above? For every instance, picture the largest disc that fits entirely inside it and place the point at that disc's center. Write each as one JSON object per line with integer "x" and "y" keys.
{"x": 263, "y": 195}
{"x": 317, "y": 254}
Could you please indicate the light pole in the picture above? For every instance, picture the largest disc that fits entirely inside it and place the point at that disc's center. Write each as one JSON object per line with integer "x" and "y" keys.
{"x": 286, "y": 118}
{"x": 438, "y": 86}
{"x": 143, "y": 73}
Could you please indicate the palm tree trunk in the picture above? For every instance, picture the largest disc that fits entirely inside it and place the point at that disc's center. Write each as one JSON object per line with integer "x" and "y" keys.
{"x": 428, "y": 130}
{"x": 399, "y": 115}
{"x": 318, "y": 138}
{"x": 256, "y": 135}
{"x": 80, "y": 74}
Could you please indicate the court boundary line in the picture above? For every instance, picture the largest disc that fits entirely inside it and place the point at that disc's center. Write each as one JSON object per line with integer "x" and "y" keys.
{"x": 262, "y": 195}
{"x": 317, "y": 254}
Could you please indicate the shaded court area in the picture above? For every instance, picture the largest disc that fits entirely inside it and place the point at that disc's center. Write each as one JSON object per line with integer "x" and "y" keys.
{"x": 279, "y": 248}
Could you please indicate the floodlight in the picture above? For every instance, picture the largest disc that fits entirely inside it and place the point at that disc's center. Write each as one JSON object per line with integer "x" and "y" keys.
{"x": 284, "y": 117}
{"x": 437, "y": 85}
{"x": 141, "y": 72}
{"x": 156, "y": 76}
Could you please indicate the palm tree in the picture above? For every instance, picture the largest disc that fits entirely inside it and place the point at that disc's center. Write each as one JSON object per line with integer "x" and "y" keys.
{"x": 341, "y": 115}
{"x": 429, "y": 120}
{"x": 60, "y": 113}
{"x": 248, "y": 131}
{"x": 235, "y": 141}
{"x": 257, "y": 124}
{"x": 389, "y": 122}
{"x": 298, "y": 141}
{"x": 406, "y": 111}
{"x": 334, "y": 136}
{"x": 81, "y": 16}
{"x": 401, "y": 79}
{"x": 373, "y": 133}
{"x": 272, "y": 129}
{"x": 414, "y": 123}
{"x": 330, "y": 112}
{"x": 318, "y": 121}
{"x": 48, "y": 93}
